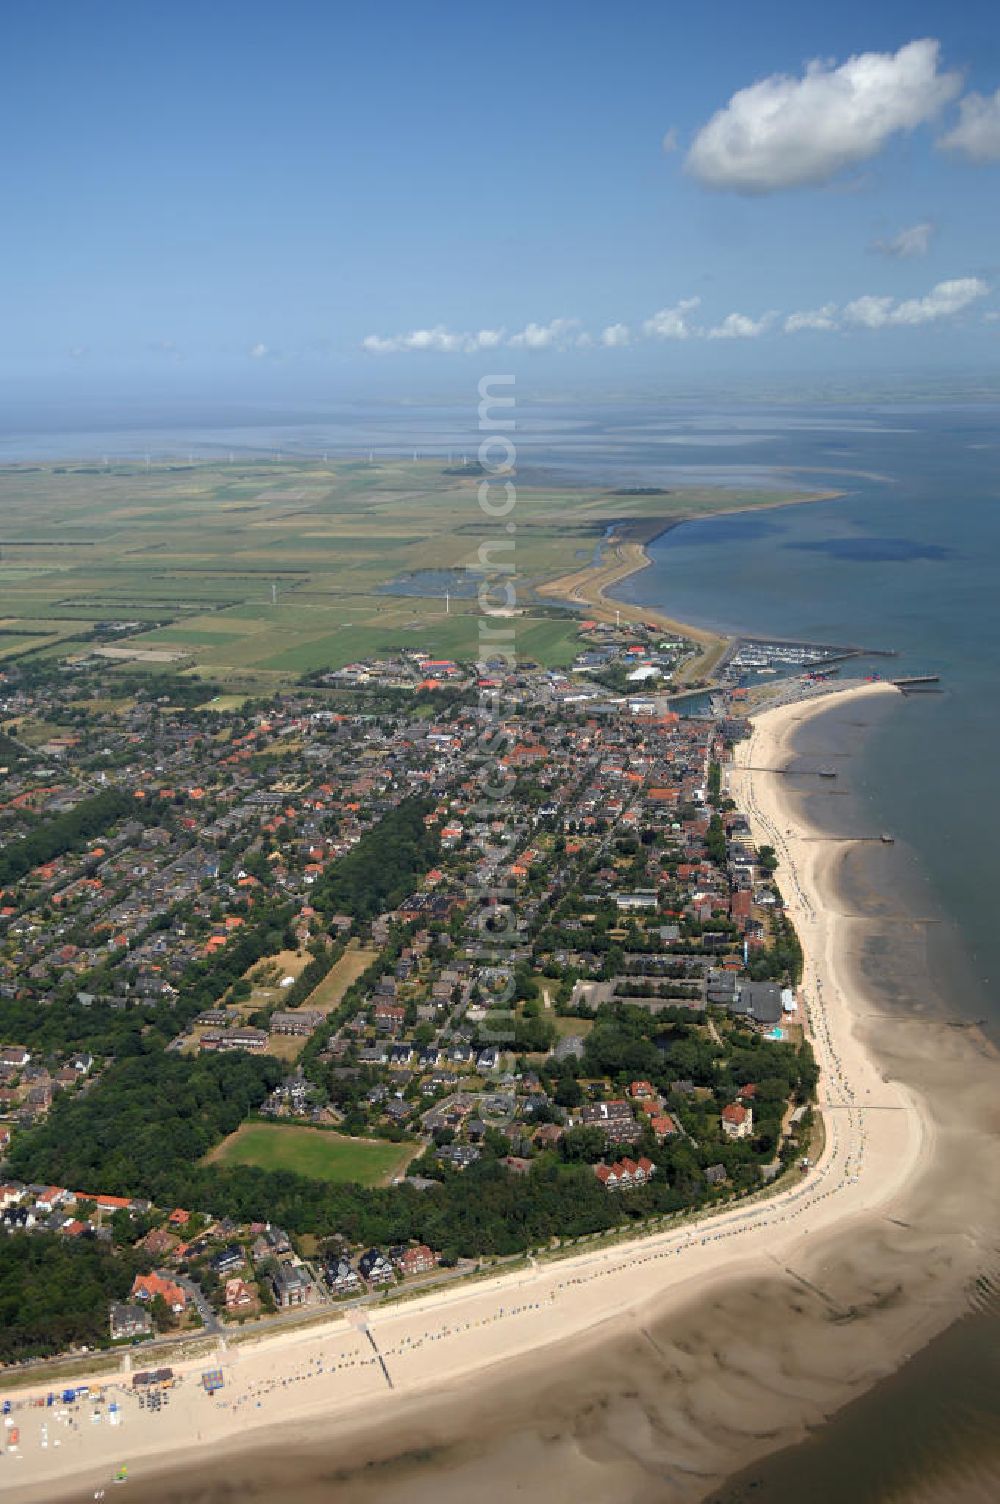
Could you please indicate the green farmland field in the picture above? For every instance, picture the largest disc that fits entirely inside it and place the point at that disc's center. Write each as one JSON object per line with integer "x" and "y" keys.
{"x": 314, "y": 1152}
{"x": 255, "y": 572}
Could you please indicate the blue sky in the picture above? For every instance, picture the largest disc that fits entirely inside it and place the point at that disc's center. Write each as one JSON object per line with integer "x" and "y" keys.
{"x": 254, "y": 197}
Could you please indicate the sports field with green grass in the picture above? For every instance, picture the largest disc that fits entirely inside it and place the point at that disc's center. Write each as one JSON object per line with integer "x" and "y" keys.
{"x": 252, "y": 573}
{"x": 315, "y": 1152}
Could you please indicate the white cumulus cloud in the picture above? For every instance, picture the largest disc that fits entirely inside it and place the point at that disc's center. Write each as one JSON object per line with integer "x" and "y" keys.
{"x": 823, "y": 319}
{"x": 258, "y": 351}
{"x": 672, "y": 323}
{"x": 785, "y": 132}
{"x": 439, "y": 340}
{"x": 556, "y": 334}
{"x": 677, "y": 322}
{"x": 869, "y": 311}
{"x": 977, "y": 134}
{"x": 942, "y": 302}
{"x": 739, "y": 326}
{"x": 913, "y": 240}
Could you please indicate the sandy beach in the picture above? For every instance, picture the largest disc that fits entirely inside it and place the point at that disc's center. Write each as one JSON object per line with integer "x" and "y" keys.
{"x": 498, "y": 1337}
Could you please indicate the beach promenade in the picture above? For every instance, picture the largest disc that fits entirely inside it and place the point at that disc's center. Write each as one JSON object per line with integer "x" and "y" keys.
{"x": 278, "y": 1391}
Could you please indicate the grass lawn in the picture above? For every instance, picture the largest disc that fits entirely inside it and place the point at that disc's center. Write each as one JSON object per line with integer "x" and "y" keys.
{"x": 315, "y": 1152}
{"x": 565, "y": 1025}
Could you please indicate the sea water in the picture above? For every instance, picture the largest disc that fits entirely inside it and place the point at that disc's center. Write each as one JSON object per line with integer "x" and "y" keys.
{"x": 907, "y": 559}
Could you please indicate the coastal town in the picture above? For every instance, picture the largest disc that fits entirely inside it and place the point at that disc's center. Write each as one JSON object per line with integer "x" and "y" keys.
{"x": 537, "y": 970}
{"x": 498, "y": 567}
{"x": 403, "y": 1322}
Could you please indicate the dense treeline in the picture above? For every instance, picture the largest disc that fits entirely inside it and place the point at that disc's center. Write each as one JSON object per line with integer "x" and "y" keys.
{"x": 714, "y": 784}
{"x": 65, "y": 832}
{"x": 171, "y": 687}
{"x": 146, "y": 1127}
{"x": 482, "y": 1211}
{"x": 621, "y": 1044}
{"x": 715, "y": 841}
{"x": 12, "y": 751}
{"x": 66, "y": 1025}
{"x": 782, "y": 961}
{"x": 383, "y": 867}
{"x": 146, "y": 1118}
{"x": 311, "y": 975}
{"x": 55, "y": 1294}
{"x": 152, "y": 1120}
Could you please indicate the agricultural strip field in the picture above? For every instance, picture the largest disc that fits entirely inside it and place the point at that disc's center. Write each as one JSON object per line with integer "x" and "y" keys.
{"x": 352, "y": 963}
{"x": 255, "y": 572}
{"x": 316, "y": 1153}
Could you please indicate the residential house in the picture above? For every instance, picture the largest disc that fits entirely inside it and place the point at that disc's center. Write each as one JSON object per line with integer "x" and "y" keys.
{"x": 760, "y": 1001}
{"x": 625, "y": 1174}
{"x": 375, "y": 1267}
{"x": 417, "y": 1260}
{"x": 241, "y": 1297}
{"x": 737, "y": 1120}
{"x": 298, "y": 1022}
{"x": 147, "y": 1287}
{"x": 615, "y": 1118}
{"x": 128, "y": 1322}
{"x": 228, "y": 1260}
{"x": 291, "y": 1286}
{"x": 341, "y": 1277}
{"x": 272, "y": 1242}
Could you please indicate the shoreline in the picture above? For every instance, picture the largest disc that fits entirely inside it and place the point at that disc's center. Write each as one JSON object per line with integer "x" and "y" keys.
{"x": 592, "y": 586}
{"x": 535, "y": 1316}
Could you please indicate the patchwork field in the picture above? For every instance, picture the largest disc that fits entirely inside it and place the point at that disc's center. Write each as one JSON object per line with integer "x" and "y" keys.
{"x": 315, "y": 1152}
{"x": 252, "y": 573}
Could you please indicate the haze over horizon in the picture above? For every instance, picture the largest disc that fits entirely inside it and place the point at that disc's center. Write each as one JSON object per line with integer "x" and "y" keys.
{"x": 266, "y": 205}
